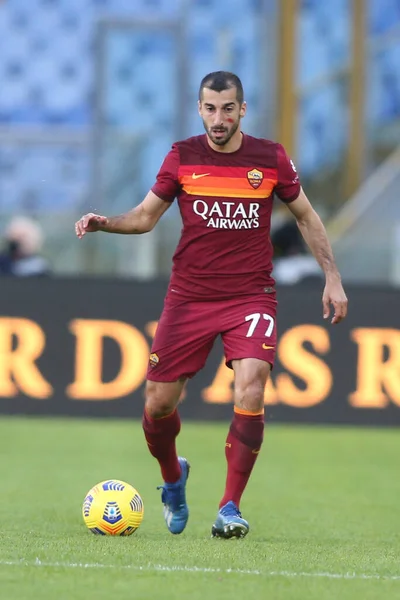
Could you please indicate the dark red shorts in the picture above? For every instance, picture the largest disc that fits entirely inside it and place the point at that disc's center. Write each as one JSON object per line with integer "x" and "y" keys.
{"x": 187, "y": 330}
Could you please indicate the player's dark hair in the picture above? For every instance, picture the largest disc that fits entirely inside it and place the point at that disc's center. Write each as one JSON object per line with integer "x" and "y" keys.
{"x": 222, "y": 80}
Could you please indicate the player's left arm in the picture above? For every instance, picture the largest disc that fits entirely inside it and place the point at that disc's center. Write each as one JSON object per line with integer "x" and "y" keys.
{"x": 316, "y": 238}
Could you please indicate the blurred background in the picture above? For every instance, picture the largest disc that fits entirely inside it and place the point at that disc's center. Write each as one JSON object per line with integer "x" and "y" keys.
{"x": 94, "y": 92}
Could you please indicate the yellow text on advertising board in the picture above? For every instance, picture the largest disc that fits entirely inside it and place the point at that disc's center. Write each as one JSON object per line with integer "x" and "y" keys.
{"x": 303, "y": 352}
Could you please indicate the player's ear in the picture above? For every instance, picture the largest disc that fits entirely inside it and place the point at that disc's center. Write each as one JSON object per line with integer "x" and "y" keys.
{"x": 243, "y": 109}
{"x": 199, "y": 106}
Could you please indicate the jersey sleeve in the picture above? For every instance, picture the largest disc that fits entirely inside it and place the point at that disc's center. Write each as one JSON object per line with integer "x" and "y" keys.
{"x": 288, "y": 187}
{"x": 167, "y": 184}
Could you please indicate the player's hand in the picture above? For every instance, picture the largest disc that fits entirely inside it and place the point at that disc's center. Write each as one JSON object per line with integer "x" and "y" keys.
{"x": 334, "y": 294}
{"x": 89, "y": 223}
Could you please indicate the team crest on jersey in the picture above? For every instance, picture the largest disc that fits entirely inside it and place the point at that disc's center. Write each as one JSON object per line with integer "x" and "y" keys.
{"x": 255, "y": 178}
{"x": 154, "y": 360}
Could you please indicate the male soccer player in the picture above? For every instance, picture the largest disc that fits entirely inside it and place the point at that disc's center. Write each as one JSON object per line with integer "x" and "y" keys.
{"x": 221, "y": 284}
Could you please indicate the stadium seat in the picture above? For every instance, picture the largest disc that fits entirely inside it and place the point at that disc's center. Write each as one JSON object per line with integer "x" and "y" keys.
{"x": 47, "y": 74}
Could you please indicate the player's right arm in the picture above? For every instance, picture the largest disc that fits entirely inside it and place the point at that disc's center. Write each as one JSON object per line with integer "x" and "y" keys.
{"x": 146, "y": 215}
{"x": 140, "y": 219}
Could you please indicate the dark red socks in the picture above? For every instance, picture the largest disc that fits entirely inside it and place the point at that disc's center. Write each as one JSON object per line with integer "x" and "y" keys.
{"x": 160, "y": 435}
{"x": 241, "y": 450}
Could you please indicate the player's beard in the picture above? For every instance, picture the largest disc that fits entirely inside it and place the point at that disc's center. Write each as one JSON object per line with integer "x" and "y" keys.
{"x": 228, "y": 133}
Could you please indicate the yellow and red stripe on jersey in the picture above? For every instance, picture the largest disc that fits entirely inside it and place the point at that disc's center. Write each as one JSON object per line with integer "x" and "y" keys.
{"x": 227, "y": 182}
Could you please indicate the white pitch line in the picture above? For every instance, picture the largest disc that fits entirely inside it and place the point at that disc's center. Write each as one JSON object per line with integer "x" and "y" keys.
{"x": 186, "y": 569}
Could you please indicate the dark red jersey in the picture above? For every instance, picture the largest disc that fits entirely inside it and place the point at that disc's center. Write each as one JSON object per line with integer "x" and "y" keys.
{"x": 225, "y": 200}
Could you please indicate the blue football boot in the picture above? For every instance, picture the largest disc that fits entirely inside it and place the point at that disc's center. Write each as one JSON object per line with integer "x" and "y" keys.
{"x": 230, "y": 523}
{"x": 176, "y": 512}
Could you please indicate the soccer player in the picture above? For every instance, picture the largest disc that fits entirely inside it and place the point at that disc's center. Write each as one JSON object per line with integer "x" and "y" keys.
{"x": 221, "y": 284}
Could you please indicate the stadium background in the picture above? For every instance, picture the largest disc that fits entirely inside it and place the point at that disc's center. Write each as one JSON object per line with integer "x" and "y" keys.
{"x": 93, "y": 93}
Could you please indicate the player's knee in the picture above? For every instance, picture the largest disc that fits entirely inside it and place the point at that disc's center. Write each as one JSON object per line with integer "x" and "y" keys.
{"x": 161, "y": 399}
{"x": 250, "y": 396}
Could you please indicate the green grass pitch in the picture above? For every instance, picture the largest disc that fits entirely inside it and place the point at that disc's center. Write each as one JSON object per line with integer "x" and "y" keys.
{"x": 323, "y": 505}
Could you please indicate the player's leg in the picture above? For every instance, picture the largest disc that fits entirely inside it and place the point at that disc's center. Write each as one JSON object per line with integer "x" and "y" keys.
{"x": 161, "y": 426}
{"x": 243, "y": 443}
{"x": 246, "y": 432}
{"x": 183, "y": 339}
{"x": 249, "y": 341}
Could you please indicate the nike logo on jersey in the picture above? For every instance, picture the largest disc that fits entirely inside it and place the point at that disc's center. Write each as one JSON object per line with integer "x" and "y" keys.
{"x": 267, "y": 347}
{"x": 194, "y": 176}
